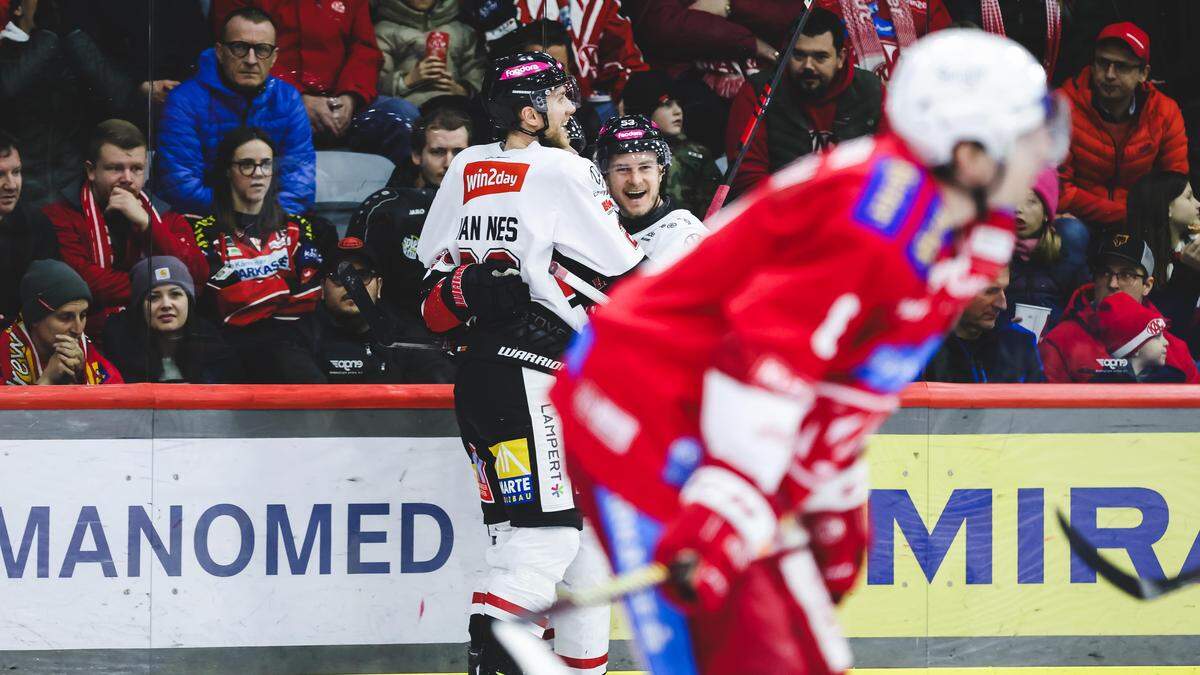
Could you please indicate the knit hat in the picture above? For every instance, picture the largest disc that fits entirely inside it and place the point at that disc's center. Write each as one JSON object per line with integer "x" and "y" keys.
{"x": 1046, "y": 188}
{"x": 645, "y": 91}
{"x": 161, "y": 270}
{"x": 48, "y": 285}
{"x": 1126, "y": 324}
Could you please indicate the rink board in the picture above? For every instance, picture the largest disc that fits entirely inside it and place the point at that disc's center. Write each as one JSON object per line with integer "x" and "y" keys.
{"x": 164, "y": 529}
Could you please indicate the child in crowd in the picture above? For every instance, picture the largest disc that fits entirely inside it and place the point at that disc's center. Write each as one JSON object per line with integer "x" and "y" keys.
{"x": 1163, "y": 210}
{"x": 1050, "y": 258}
{"x": 693, "y": 176}
{"x": 1135, "y": 336}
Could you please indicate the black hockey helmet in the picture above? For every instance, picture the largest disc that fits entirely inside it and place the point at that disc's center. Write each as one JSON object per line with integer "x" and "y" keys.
{"x": 630, "y": 133}
{"x": 524, "y": 79}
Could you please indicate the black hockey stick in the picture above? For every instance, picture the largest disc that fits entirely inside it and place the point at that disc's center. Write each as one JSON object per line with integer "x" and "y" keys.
{"x": 760, "y": 109}
{"x": 381, "y": 333}
{"x": 1143, "y": 589}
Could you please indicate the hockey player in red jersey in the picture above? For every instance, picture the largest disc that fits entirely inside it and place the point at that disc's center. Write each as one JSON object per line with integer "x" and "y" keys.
{"x": 731, "y": 392}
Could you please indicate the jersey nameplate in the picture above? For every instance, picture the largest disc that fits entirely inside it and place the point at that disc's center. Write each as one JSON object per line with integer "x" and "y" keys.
{"x": 889, "y": 196}
{"x": 489, "y": 178}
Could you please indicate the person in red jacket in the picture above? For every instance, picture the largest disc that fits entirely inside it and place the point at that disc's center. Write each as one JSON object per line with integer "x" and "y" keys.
{"x": 821, "y": 100}
{"x": 327, "y": 50}
{"x": 1123, "y": 128}
{"x": 709, "y": 48}
{"x": 106, "y": 223}
{"x": 1075, "y": 351}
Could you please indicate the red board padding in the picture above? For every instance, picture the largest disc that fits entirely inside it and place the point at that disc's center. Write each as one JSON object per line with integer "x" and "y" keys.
{"x": 321, "y": 397}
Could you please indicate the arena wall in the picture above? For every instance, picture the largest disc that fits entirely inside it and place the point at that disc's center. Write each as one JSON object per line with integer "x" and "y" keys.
{"x": 165, "y": 528}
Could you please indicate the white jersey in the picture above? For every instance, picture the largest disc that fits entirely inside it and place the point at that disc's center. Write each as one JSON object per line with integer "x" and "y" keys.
{"x": 670, "y": 237}
{"x": 530, "y": 207}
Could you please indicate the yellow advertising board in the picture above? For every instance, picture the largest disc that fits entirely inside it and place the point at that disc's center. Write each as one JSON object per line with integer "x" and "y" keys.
{"x": 966, "y": 541}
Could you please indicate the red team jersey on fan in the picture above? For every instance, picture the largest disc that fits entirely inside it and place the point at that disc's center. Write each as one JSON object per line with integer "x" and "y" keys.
{"x": 834, "y": 283}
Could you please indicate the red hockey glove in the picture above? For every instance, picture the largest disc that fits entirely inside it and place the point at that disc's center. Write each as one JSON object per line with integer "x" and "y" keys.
{"x": 705, "y": 554}
{"x": 724, "y": 524}
{"x": 838, "y": 542}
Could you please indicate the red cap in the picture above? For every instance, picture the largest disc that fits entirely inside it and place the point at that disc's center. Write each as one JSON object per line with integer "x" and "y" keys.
{"x": 1126, "y": 324}
{"x": 1131, "y": 35}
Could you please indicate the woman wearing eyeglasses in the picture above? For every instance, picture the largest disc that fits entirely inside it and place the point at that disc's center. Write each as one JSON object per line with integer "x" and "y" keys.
{"x": 264, "y": 261}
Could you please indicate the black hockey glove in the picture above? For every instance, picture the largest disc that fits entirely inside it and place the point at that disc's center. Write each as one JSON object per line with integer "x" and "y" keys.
{"x": 489, "y": 291}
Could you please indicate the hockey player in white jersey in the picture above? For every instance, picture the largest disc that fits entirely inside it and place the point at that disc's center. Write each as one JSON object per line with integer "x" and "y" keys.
{"x": 634, "y": 158}
{"x": 504, "y": 212}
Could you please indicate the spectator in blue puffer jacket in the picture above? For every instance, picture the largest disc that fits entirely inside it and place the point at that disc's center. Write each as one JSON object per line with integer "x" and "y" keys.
{"x": 233, "y": 89}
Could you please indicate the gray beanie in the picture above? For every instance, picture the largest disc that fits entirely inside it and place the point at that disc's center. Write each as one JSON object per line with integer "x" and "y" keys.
{"x": 161, "y": 270}
{"x": 48, "y": 285}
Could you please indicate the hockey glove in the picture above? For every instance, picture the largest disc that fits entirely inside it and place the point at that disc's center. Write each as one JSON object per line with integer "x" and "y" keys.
{"x": 838, "y": 541}
{"x": 489, "y": 290}
{"x": 705, "y": 554}
{"x": 724, "y": 524}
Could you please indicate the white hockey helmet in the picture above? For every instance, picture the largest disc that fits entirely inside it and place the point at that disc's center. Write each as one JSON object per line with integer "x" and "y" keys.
{"x": 964, "y": 85}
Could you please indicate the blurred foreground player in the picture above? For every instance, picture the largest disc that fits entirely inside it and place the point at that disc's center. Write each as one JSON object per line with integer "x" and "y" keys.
{"x": 735, "y": 388}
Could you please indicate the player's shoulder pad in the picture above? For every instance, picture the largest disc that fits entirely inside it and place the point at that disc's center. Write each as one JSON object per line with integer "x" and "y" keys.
{"x": 582, "y": 170}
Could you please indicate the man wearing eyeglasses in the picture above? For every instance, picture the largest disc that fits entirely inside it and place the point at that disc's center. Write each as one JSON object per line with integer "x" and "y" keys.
{"x": 232, "y": 88}
{"x": 1123, "y": 127}
{"x": 329, "y": 53}
{"x": 1073, "y": 351}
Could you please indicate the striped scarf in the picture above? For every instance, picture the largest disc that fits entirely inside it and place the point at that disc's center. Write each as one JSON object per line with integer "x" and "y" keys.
{"x": 98, "y": 234}
{"x": 993, "y": 22}
{"x": 865, "y": 38}
{"x": 21, "y": 364}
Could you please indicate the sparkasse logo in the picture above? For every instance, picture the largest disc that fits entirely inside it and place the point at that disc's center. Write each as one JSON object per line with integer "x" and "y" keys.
{"x": 488, "y": 178}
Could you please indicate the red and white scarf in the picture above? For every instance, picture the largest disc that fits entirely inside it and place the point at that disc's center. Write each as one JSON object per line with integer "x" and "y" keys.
{"x": 861, "y": 26}
{"x": 993, "y": 22}
{"x": 98, "y": 235}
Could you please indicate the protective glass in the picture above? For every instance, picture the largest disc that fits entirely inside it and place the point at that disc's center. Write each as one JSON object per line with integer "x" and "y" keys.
{"x": 658, "y": 146}
{"x": 570, "y": 89}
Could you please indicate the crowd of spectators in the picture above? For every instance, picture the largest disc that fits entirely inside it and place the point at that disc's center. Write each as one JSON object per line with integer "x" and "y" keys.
{"x": 158, "y": 169}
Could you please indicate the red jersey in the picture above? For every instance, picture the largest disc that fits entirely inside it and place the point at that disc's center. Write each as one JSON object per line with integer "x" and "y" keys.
{"x": 816, "y": 299}
{"x": 275, "y": 276}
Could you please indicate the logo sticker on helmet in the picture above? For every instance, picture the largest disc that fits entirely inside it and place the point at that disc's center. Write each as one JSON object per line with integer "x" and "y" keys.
{"x": 523, "y": 69}
{"x": 630, "y": 134}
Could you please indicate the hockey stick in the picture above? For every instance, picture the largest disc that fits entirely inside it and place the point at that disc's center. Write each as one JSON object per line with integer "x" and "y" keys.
{"x": 347, "y": 276}
{"x": 722, "y": 192}
{"x": 1143, "y": 589}
{"x": 579, "y": 285}
{"x": 533, "y": 655}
